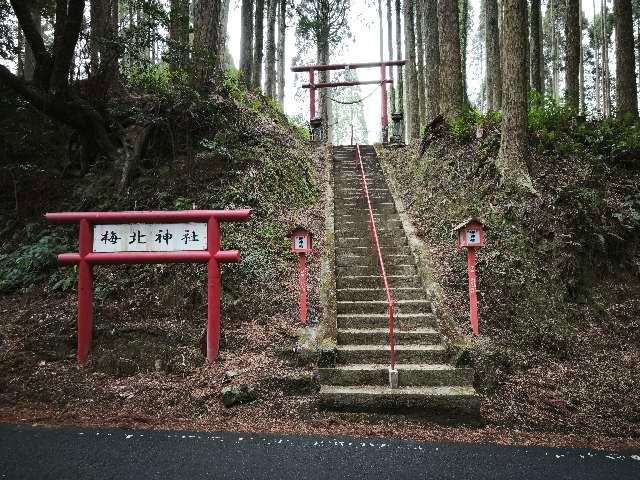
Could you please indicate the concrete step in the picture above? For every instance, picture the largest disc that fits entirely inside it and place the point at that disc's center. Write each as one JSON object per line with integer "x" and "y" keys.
{"x": 373, "y": 281}
{"x": 381, "y": 306}
{"x": 359, "y": 223}
{"x": 380, "y": 336}
{"x": 407, "y": 293}
{"x": 373, "y": 270}
{"x": 402, "y": 321}
{"x": 372, "y": 259}
{"x": 435, "y": 400}
{"x": 386, "y": 238}
{"x": 409, "y": 375}
{"x": 359, "y": 354}
{"x": 347, "y": 208}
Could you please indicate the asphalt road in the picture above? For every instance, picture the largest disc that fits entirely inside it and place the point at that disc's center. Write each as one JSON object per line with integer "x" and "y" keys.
{"x": 78, "y": 453}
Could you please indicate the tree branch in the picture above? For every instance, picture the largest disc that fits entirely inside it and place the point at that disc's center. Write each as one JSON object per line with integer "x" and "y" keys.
{"x": 22, "y": 9}
{"x": 69, "y": 39}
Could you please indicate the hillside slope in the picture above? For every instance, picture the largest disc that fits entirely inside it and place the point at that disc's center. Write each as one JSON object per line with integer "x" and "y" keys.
{"x": 559, "y": 278}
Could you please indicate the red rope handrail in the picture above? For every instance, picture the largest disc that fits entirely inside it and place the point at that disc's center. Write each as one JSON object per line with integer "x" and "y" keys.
{"x": 376, "y": 245}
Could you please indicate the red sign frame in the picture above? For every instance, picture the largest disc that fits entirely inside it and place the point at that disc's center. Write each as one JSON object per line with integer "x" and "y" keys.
{"x": 86, "y": 258}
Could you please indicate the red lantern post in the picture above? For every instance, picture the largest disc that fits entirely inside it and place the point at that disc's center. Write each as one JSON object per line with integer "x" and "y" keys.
{"x": 302, "y": 243}
{"x": 471, "y": 236}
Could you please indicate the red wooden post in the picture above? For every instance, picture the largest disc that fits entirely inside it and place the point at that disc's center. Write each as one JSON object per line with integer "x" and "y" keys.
{"x": 385, "y": 115}
{"x": 303, "y": 288}
{"x": 473, "y": 298}
{"x": 213, "y": 290}
{"x": 312, "y": 94}
{"x": 85, "y": 292}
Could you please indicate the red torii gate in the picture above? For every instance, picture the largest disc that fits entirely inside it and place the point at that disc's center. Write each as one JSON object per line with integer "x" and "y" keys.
{"x": 86, "y": 257}
{"x": 312, "y": 85}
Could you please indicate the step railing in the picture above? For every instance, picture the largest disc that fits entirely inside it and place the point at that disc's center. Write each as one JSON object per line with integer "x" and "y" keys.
{"x": 393, "y": 373}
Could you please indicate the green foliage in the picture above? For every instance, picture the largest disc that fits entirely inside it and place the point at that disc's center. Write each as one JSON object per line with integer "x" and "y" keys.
{"x": 299, "y": 125}
{"x": 31, "y": 263}
{"x": 158, "y": 79}
{"x": 546, "y": 114}
{"x": 464, "y": 126}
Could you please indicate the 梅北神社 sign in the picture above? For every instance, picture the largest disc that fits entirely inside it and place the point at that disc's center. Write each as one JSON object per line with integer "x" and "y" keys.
{"x": 154, "y": 237}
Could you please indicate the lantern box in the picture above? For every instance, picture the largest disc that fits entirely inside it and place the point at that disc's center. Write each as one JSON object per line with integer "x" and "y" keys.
{"x": 301, "y": 240}
{"x": 470, "y": 234}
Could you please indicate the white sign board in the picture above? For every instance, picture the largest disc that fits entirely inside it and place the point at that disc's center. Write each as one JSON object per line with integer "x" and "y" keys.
{"x": 473, "y": 236}
{"x": 300, "y": 242}
{"x": 150, "y": 237}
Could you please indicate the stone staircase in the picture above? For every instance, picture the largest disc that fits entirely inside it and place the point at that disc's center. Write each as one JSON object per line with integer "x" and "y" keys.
{"x": 360, "y": 378}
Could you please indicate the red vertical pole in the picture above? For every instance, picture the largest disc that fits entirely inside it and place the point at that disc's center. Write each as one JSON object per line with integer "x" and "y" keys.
{"x": 213, "y": 290}
{"x": 85, "y": 292}
{"x": 303, "y": 288}
{"x": 312, "y": 94}
{"x": 385, "y": 114}
{"x": 473, "y": 299}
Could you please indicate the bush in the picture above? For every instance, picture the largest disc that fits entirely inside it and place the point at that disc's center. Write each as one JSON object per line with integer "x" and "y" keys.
{"x": 32, "y": 263}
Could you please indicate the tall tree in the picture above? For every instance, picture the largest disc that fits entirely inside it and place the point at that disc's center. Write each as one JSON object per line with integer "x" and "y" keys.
{"x": 451, "y": 94}
{"x": 282, "y": 31}
{"x": 258, "y": 45}
{"x": 581, "y": 108}
{"x": 572, "y": 54}
{"x": 464, "y": 41}
{"x": 514, "y": 139}
{"x": 494, "y": 67}
{"x": 626, "y": 93}
{"x": 399, "y": 56}
{"x": 246, "y": 41}
{"x": 178, "y": 33}
{"x": 392, "y": 91}
{"x": 555, "y": 51}
{"x": 431, "y": 59}
{"x": 606, "y": 76}
{"x": 420, "y": 58}
{"x": 535, "y": 58}
{"x": 412, "y": 105}
{"x": 209, "y": 38}
{"x": 270, "y": 64}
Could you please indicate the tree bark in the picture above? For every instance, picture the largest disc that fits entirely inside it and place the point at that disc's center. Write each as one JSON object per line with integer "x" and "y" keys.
{"x": 514, "y": 139}
{"x": 432, "y": 59}
{"x": 209, "y": 38}
{"x": 597, "y": 62}
{"x": 420, "y": 59}
{"x": 536, "y": 48}
{"x": 258, "y": 45}
{"x": 412, "y": 107}
{"x": 451, "y": 100}
{"x": 20, "y": 59}
{"x": 270, "y": 66}
{"x": 625, "y": 60}
{"x": 494, "y": 67}
{"x": 246, "y": 41}
{"x": 572, "y": 55}
{"x": 282, "y": 31}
